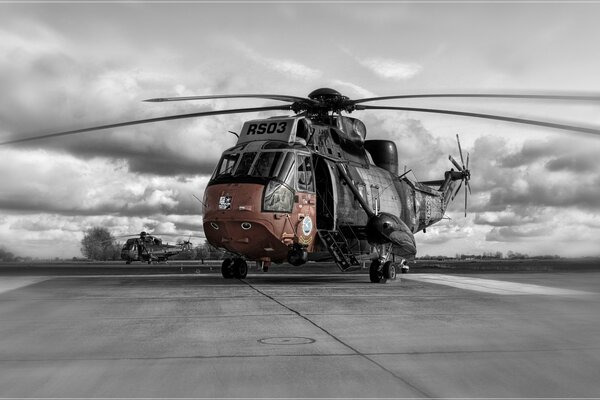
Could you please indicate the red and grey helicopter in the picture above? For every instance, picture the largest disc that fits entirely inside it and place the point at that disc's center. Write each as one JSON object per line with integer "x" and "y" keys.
{"x": 307, "y": 185}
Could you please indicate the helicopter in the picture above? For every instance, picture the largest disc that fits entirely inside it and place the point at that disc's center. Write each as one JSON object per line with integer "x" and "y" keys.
{"x": 311, "y": 186}
{"x": 148, "y": 248}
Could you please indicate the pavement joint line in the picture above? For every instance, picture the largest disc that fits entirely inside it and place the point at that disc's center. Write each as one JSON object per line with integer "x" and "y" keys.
{"x": 287, "y": 355}
{"x": 161, "y": 317}
{"x": 365, "y": 356}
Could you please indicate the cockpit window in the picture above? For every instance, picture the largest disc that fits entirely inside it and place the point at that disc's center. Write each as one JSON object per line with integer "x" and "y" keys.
{"x": 286, "y": 170}
{"x": 276, "y": 165}
{"x": 226, "y": 164}
{"x": 266, "y": 164}
{"x": 243, "y": 167}
{"x": 305, "y": 173}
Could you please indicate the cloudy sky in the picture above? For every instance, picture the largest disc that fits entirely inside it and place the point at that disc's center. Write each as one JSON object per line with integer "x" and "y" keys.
{"x": 76, "y": 64}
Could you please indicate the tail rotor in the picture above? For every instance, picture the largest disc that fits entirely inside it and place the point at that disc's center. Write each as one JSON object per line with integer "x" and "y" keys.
{"x": 465, "y": 172}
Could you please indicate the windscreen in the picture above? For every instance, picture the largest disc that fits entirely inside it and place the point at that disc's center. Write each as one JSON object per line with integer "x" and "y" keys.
{"x": 278, "y": 165}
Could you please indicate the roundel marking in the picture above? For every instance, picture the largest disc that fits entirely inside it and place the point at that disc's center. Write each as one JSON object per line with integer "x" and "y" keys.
{"x": 307, "y": 225}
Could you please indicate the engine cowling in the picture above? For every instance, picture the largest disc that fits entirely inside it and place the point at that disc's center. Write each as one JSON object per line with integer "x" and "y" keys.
{"x": 387, "y": 228}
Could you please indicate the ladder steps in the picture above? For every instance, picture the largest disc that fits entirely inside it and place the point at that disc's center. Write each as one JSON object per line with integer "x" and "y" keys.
{"x": 338, "y": 248}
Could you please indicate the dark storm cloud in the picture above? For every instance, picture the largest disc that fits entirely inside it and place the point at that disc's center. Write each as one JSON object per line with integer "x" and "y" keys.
{"x": 543, "y": 193}
{"x": 529, "y": 153}
{"x": 517, "y": 217}
{"x": 35, "y": 206}
{"x": 558, "y": 173}
{"x": 166, "y": 163}
{"x": 194, "y": 224}
{"x": 580, "y": 164}
{"x": 514, "y": 234}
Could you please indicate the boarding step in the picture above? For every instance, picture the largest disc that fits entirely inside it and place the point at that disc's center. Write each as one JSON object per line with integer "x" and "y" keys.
{"x": 338, "y": 247}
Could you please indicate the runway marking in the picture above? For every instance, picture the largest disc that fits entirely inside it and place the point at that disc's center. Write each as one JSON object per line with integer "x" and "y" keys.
{"x": 493, "y": 286}
{"x": 8, "y": 283}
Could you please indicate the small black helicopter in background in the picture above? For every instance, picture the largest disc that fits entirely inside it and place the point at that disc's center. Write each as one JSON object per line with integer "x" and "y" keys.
{"x": 303, "y": 186}
{"x": 148, "y": 248}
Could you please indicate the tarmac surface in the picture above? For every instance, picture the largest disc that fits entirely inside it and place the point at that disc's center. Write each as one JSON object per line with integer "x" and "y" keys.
{"x": 332, "y": 335}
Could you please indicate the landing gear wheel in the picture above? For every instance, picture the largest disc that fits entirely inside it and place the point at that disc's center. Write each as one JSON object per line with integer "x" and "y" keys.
{"x": 376, "y": 272}
{"x": 240, "y": 268}
{"x": 227, "y": 268}
{"x": 389, "y": 270}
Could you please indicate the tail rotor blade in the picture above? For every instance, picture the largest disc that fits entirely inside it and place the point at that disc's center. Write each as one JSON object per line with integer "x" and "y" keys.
{"x": 467, "y": 160}
{"x": 456, "y": 164}
{"x": 460, "y": 152}
{"x": 466, "y": 199}
{"x": 457, "y": 190}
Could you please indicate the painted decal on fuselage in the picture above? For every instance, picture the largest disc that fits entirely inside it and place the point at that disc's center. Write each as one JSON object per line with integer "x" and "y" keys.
{"x": 307, "y": 225}
{"x": 224, "y": 202}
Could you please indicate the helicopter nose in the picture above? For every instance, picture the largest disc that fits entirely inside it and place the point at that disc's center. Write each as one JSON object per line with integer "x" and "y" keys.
{"x": 234, "y": 220}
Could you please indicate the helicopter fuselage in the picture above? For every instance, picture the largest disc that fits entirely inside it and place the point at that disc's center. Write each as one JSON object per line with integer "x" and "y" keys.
{"x": 290, "y": 181}
{"x": 147, "y": 249}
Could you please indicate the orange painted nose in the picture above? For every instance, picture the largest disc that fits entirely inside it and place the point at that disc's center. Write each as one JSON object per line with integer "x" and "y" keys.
{"x": 234, "y": 220}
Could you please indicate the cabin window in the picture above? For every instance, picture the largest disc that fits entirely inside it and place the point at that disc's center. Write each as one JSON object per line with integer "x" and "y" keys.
{"x": 305, "y": 174}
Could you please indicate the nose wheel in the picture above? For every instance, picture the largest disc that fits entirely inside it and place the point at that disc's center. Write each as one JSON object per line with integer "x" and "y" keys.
{"x": 234, "y": 268}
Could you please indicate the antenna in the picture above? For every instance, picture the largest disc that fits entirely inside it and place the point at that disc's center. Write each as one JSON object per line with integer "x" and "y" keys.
{"x": 201, "y": 202}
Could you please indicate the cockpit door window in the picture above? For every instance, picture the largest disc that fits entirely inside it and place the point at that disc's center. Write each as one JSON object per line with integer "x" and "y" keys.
{"x": 305, "y": 174}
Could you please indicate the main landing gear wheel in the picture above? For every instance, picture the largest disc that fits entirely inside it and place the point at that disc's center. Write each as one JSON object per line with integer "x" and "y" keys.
{"x": 389, "y": 270}
{"x": 240, "y": 268}
{"x": 227, "y": 268}
{"x": 376, "y": 272}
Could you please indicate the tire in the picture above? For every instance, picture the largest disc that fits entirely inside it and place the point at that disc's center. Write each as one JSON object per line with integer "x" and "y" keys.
{"x": 227, "y": 268}
{"x": 376, "y": 273}
{"x": 240, "y": 268}
{"x": 389, "y": 270}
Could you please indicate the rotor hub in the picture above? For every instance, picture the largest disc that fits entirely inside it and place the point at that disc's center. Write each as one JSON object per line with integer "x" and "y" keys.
{"x": 325, "y": 94}
{"x": 324, "y": 100}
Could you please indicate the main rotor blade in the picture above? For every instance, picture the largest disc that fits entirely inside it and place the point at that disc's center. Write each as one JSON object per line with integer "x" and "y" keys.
{"x": 587, "y": 97}
{"x": 595, "y": 131}
{"x": 232, "y": 96}
{"x": 145, "y": 121}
